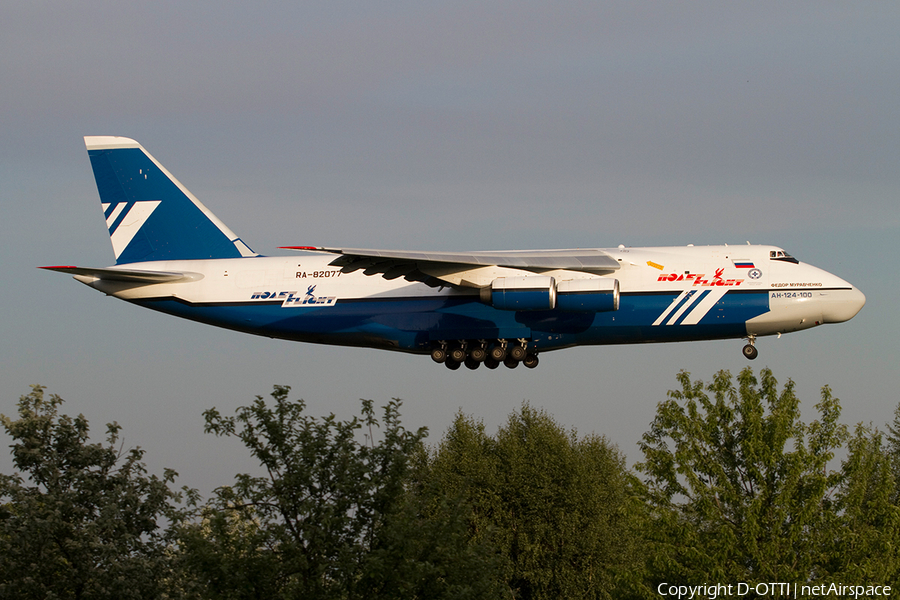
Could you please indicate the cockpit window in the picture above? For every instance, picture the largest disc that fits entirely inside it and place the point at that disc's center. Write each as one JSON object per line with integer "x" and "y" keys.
{"x": 783, "y": 256}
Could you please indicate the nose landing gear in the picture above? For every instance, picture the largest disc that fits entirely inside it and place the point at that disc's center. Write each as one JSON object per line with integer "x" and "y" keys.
{"x": 750, "y": 351}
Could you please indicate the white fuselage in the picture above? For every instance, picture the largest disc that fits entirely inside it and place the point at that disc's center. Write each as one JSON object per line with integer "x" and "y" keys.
{"x": 668, "y": 294}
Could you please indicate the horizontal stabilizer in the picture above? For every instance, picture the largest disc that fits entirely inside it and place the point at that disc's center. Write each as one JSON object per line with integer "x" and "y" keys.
{"x": 127, "y": 275}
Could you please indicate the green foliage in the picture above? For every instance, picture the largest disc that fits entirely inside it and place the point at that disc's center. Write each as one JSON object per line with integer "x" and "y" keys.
{"x": 866, "y": 539}
{"x": 893, "y": 451}
{"x": 737, "y": 488}
{"x": 84, "y": 525}
{"x": 559, "y": 509}
{"x": 741, "y": 489}
{"x": 424, "y": 551}
{"x": 331, "y": 517}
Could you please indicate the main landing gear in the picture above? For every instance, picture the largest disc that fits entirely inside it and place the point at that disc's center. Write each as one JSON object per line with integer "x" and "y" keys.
{"x": 750, "y": 351}
{"x": 489, "y": 353}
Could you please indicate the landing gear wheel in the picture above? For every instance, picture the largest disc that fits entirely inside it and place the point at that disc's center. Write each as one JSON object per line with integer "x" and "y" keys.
{"x": 498, "y": 353}
{"x": 750, "y": 351}
{"x": 471, "y": 363}
{"x": 490, "y": 363}
{"x": 518, "y": 352}
{"x": 478, "y": 354}
{"x": 438, "y": 355}
{"x": 458, "y": 354}
{"x": 510, "y": 362}
{"x": 531, "y": 361}
{"x": 451, "y": 364}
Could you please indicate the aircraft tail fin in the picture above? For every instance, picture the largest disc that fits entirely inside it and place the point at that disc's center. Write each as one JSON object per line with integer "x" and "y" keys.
{"x": 150, "y": 215}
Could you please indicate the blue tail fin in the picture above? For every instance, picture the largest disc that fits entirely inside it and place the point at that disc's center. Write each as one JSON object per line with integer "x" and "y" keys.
{"x": 150, "y": 215}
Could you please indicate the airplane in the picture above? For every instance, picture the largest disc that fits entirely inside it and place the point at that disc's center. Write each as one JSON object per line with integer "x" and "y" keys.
{"x": 461, "y": 308}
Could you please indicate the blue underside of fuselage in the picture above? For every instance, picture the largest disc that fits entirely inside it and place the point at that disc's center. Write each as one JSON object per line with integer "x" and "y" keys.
{"x": 415, "y": 324}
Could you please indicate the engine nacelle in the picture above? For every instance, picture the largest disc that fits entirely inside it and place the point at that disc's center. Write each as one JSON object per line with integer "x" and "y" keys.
{"x": 588, "y": 295}
{"x": 533, "y": 292}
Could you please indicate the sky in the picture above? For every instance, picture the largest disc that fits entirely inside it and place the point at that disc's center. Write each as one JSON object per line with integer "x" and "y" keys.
{"x": 445, "y": 126}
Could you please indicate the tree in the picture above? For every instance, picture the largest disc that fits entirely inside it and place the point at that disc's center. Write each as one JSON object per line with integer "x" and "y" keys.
{"x": 866, "y": 541}
{"x": 84, "y": 521}
{"x": 331, "y": 517}
{"x": 893, "y": 451}
{"x": 559, "y": 508}
{"x": 742, "y": 490}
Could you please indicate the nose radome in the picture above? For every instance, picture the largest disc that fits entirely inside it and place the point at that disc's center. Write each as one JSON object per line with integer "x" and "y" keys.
{"x": 842, "y": 305}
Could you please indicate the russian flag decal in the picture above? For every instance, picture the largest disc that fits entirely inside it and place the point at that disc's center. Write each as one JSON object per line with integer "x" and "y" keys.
{"x": 743, "y": 264}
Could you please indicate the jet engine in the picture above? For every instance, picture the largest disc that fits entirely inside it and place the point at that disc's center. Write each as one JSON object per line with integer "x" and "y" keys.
{"x": 587, "y": 295}
{"x": 539, "y": 292}
{"x": 533, "y": 292}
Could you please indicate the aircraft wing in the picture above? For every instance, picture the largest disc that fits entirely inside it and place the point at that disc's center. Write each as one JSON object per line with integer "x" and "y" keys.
{"x": 467, "y": 269}
{"x": 126, "y": 275}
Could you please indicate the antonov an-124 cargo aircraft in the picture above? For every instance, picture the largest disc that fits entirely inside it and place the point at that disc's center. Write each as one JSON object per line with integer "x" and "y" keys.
{"x": 461, "y": 308}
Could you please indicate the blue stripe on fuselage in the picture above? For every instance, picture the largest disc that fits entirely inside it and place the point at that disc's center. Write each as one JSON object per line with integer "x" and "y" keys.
{"x": 412, "y": 324}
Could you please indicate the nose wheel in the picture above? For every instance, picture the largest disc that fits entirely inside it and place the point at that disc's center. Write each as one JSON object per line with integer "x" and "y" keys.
{"x": 750, "y": 351}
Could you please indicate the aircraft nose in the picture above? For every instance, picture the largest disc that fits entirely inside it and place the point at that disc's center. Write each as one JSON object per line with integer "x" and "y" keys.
{"x": 842, "y": 305}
